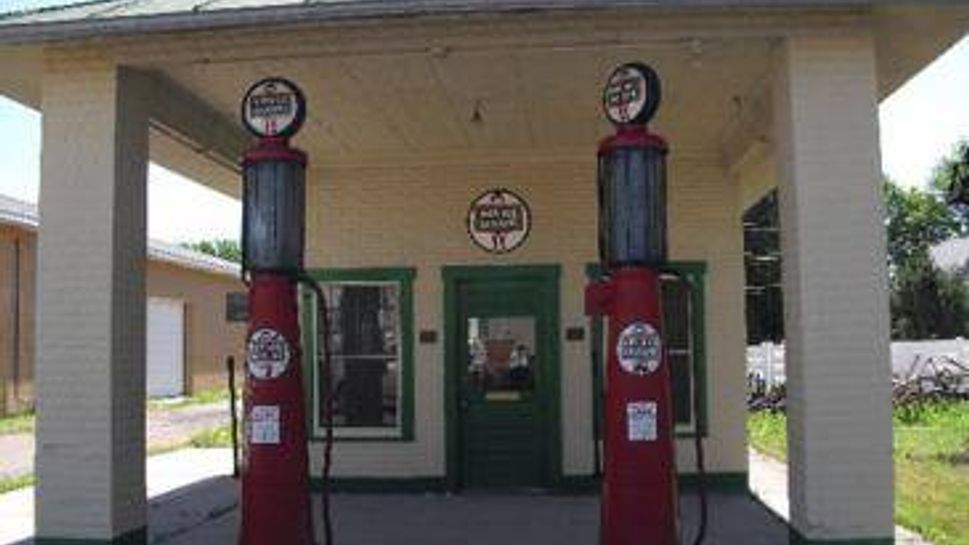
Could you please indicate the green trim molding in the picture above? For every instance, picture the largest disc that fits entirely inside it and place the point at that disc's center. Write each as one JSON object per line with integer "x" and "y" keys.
{"x": 404, "y": 277}
{"x": 138, "y": 536}
{"x": 795, "y": 538}
{"x": 546, "y": 278}
{"x": 695, "y": 273}
{"x": 733, "y": 483}
{"x": 382, "y": 485}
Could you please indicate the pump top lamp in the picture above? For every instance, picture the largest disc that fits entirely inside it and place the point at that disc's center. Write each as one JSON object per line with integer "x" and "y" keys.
{"x": 632, "y": 172}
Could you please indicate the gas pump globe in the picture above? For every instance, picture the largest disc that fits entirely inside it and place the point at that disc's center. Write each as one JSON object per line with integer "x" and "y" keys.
{"x": 274, "y": 179}
{"x": 632, "y": 173}
{"x": 639, "y": 497}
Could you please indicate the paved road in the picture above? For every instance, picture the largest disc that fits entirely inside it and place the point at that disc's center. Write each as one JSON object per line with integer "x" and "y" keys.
{"x": 165, "y": 427}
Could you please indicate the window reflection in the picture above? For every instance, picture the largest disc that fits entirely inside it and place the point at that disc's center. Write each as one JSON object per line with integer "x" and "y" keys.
{"x": 364, "y": 343}
{"x": 501, "y": 354}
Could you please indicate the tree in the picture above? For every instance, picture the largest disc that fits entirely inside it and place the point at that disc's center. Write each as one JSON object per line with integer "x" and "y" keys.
{"x": 762, "y": 271}
{"x": 951, "y": 178}
{"x": 928, "y": 302}
{"x": 222, "y": 248}
{"x": 916, "y": 220}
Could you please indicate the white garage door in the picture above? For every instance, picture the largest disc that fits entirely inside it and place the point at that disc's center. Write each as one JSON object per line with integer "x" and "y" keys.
{"x": 165, "y": 347}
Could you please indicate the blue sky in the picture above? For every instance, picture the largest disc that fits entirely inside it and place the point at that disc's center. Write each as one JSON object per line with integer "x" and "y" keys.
{"x": 920, "y": 124}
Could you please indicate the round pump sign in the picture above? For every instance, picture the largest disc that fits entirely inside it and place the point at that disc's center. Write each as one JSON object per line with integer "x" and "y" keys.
{"x": 631, "y": 95}
{"x": 267, "y": 354}
{"x": 499, "y": 221}
{"x": 639, "y": 349}
{"x": 274, "y": 107}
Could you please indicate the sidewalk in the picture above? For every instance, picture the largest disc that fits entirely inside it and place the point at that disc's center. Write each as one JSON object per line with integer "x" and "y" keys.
{"x": 768, "y": 481}
{"x": 175, "y": 474}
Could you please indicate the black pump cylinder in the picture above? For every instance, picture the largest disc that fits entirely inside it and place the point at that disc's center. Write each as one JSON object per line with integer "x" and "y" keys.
{"x": 632, "y": 198}
{"x": 273, "y": 207}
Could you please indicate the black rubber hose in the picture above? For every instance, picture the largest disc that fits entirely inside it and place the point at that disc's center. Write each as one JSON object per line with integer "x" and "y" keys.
{"x": 327, "y": 407}
{"x": 701, "y": 469}
{"x": 701, "y": 475}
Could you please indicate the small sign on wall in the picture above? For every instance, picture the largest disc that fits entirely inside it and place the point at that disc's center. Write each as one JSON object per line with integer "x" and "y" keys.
{"x": 237, "y": 306}
{"x": 499, "y": 221}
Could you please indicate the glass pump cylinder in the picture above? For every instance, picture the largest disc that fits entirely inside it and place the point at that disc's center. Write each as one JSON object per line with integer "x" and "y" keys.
{"x": 273, "y": 207}
{"x": 632, "y": 199}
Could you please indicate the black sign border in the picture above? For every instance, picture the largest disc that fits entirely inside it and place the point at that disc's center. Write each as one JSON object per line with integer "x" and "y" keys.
{"x": 654, "y": 94}
{"x": 300, "y": 109}
{"x": 528, "y": 211}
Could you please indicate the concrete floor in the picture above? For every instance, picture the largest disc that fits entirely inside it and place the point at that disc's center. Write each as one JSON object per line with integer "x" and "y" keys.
{"x": 206, "y": 513}
{"x": 466, "y": 519}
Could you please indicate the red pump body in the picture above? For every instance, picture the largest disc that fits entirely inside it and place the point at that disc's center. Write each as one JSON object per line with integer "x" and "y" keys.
{"x": 639, "y": 496}
{"x": 275, "y": 470}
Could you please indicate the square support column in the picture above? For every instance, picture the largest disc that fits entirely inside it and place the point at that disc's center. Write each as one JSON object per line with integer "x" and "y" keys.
{"x": 91, "y": 306}
{"x": 835, "y": 290}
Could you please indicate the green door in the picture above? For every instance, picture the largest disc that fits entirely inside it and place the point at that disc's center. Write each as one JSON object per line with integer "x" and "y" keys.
{"x": 503, "y": 367}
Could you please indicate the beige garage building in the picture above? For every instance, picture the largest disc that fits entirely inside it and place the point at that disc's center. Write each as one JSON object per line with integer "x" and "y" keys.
{"x": 417, "y": 108}
{"x": 187, "y": 334}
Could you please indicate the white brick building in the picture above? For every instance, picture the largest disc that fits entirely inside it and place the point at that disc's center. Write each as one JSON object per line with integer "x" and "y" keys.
{"x": 416, "y": 108}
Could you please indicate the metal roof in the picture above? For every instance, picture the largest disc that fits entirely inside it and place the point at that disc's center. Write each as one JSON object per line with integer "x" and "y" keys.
{"x": 106, "y": 17}
{"x": 24, "y": 215}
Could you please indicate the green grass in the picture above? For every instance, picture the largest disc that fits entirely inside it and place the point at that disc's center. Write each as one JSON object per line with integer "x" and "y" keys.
{"x": 9, "y": 484}
{"x": 931, "y": 466}
{"x": 215, "y": 438}
{"x": 21, "y": 423}
{"x": 202, "y": 397}
{"x": 768, "y": 433}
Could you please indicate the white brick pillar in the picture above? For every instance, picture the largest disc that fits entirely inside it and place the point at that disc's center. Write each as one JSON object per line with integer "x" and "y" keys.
{"x": 91, "y": 305}
{"x": 835, "y": 289}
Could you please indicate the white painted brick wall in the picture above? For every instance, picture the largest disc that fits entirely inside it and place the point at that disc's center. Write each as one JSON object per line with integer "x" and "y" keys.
{"x": 835, "y": 288}
{"x": 407, "y": 215}
{"x": 90, "y": 311}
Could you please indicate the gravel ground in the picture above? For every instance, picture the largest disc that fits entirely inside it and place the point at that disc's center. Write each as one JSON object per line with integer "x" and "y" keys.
{"x": 165, "y": 427}
{"x": 172, "y": 426}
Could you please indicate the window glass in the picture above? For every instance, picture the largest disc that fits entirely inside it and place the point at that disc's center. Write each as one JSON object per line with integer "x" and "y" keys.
{"x": 501, "y": 352}
{"x": 680, "y": 336}
{"x": 365, "y": 349}
{"x": 679, "y": 345}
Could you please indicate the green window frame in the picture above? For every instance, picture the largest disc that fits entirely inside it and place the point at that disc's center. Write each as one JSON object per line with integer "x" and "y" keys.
{"x": 694, "y": 272}
{"x": 403, "y": 279}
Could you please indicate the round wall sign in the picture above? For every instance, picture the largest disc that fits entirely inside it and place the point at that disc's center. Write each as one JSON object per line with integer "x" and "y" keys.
{"x": 267, "y": 354}
{"x": 273, "y": 107}
{"x": 639, "y": 349}
{"x": 631, "y": 95}
{"x": 499, "y": 221}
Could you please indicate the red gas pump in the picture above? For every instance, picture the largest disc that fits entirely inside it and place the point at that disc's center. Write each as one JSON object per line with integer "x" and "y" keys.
{"x": 275, "y": 472}
{"x": 639, "y": 496}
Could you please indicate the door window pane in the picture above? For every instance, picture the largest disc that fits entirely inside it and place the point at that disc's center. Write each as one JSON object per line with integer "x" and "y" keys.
{"x": 501, "y": 355}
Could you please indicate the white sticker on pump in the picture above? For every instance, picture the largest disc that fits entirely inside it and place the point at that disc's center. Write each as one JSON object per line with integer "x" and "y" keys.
{"x": 641, "y": 421}
{"x": 267, "y": 354}
{"x": 264, "y": 425}
{"x": 639, "y": 349}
